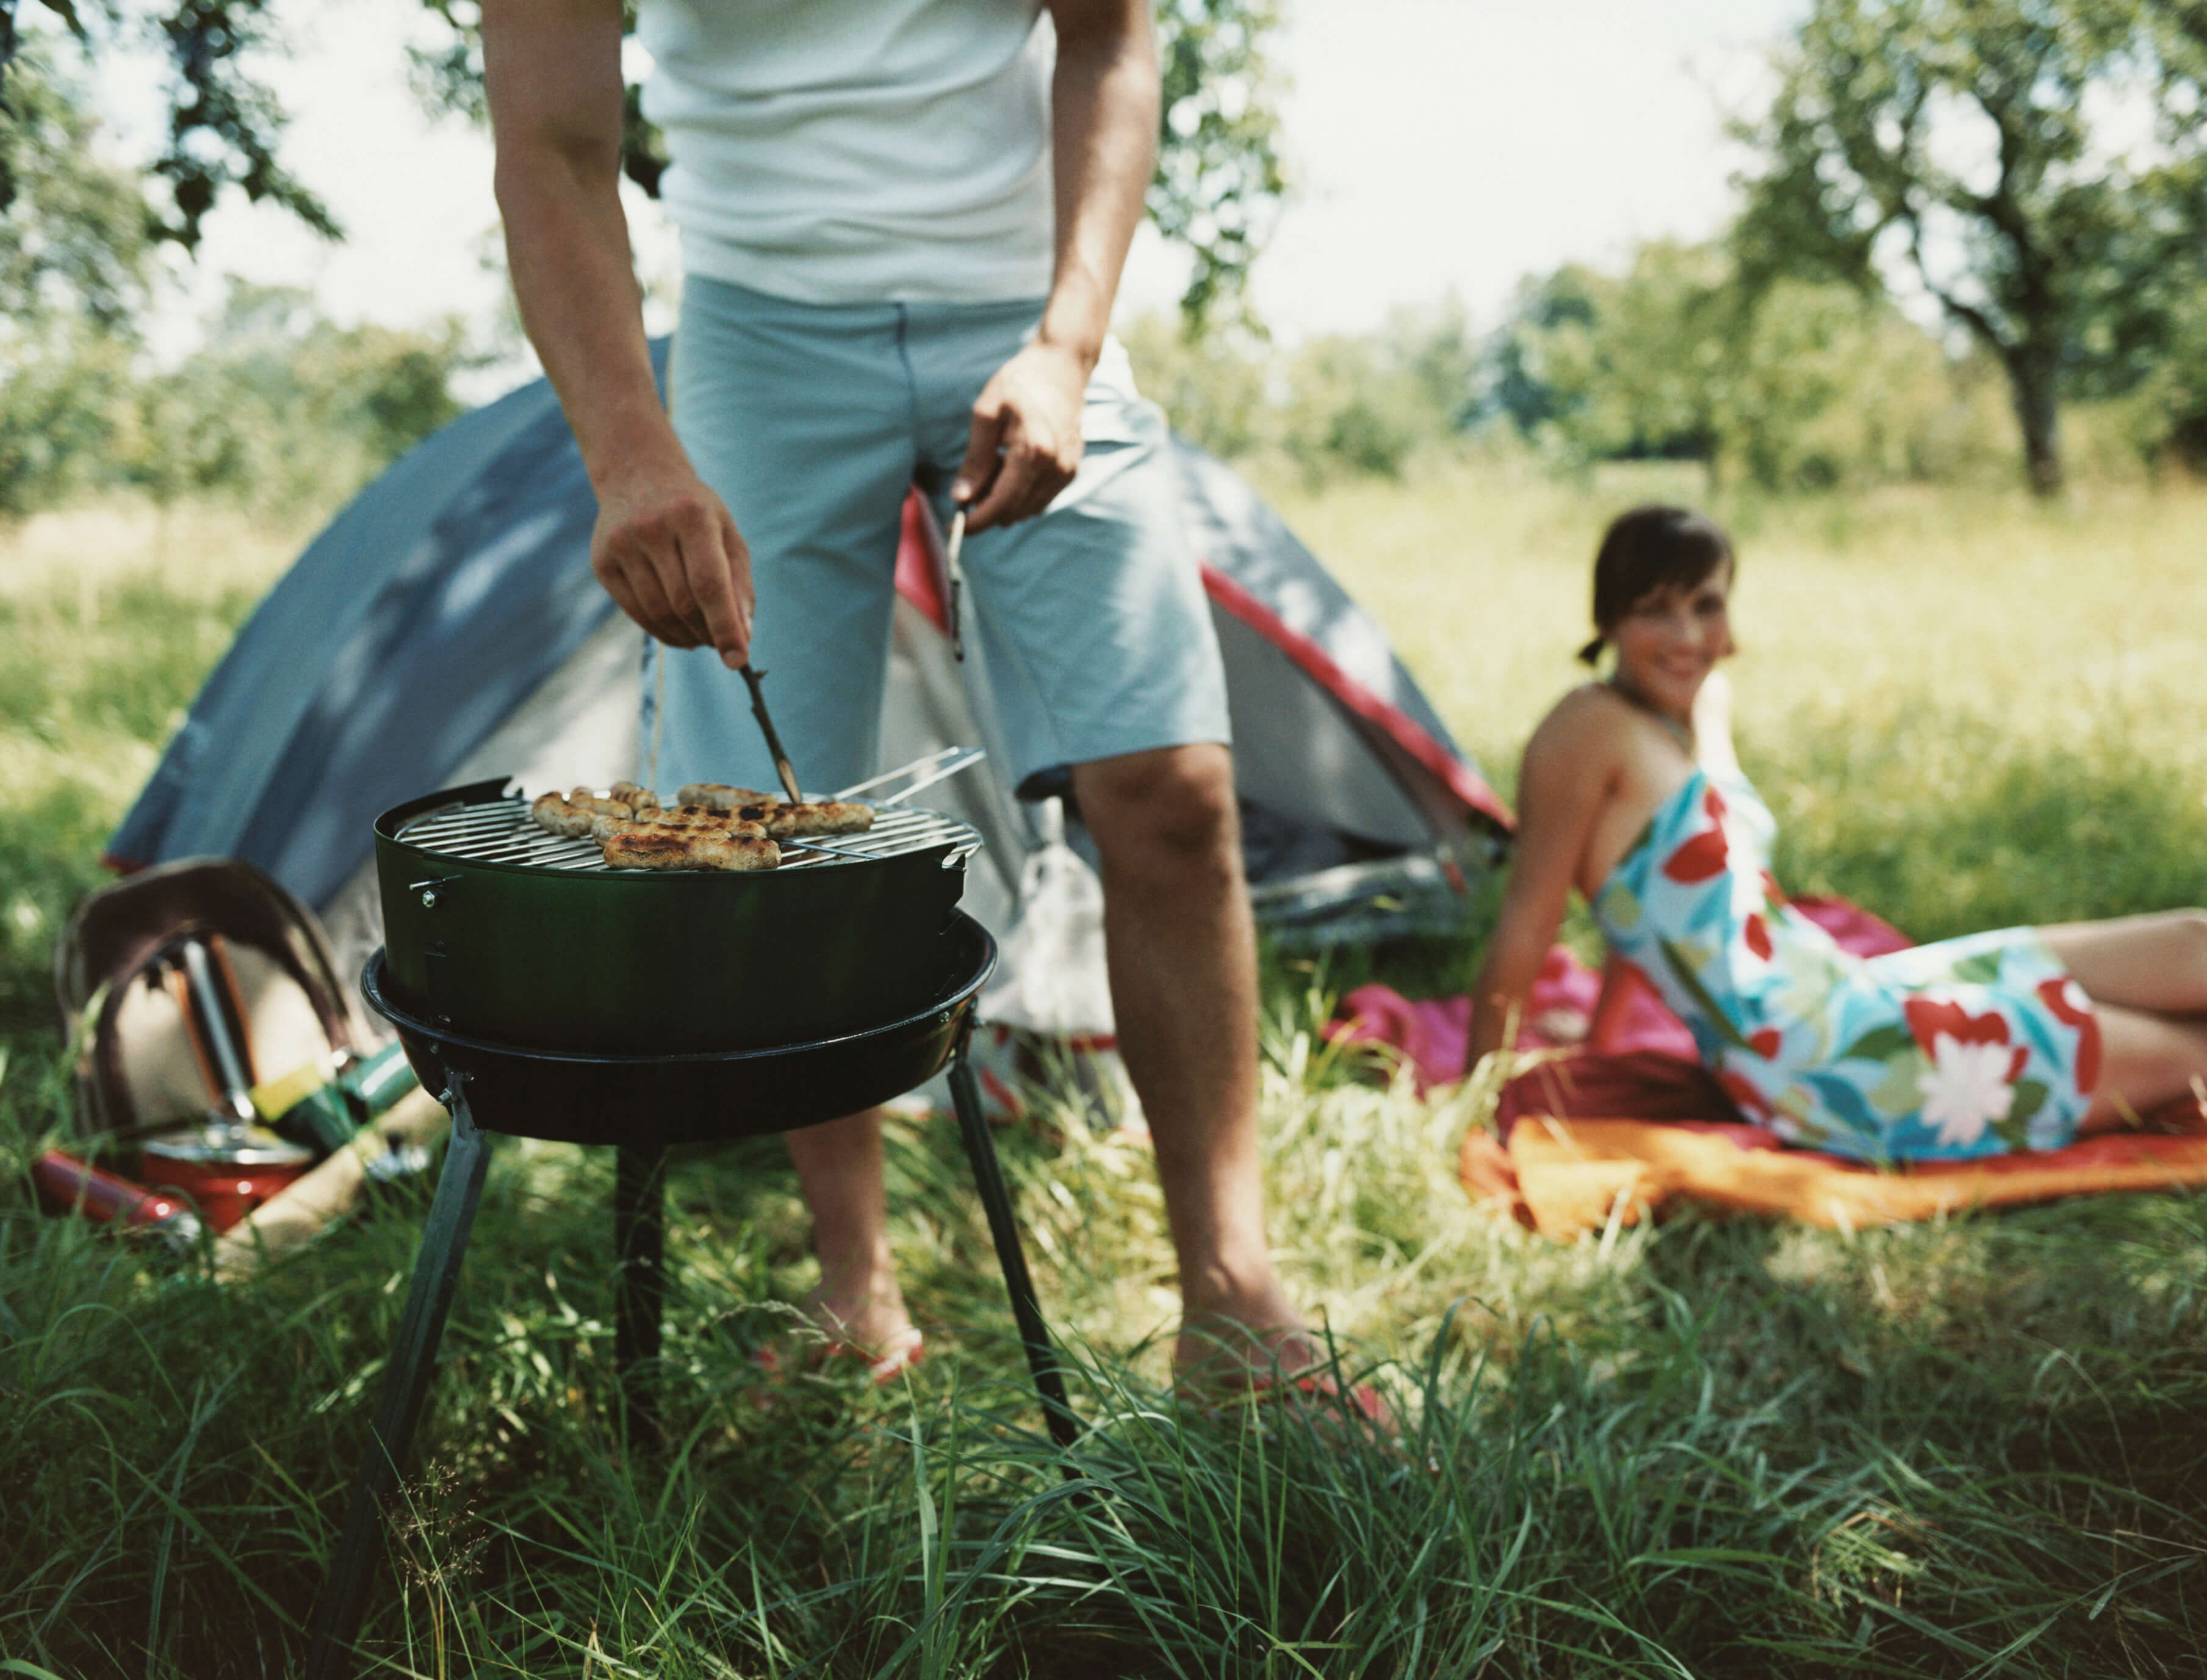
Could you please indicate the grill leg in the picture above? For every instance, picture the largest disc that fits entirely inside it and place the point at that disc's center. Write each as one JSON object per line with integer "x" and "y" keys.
{"x": 640, "y": 1239}
{"x": 406, "y": 1382}
{"x": 988, "y": 1175}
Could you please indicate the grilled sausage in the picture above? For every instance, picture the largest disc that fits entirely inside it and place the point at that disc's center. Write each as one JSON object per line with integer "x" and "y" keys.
{"x": 584, "y": 800}
{"x": 697, "y": 816}
{"x": 553, "y": 812}
{"x": 685, "y": 817}
{"x": 720, "y": 797}
{"x": 634, "y": 795}
{"x": 821, "y": 816}
{"x": 689, "y": 849}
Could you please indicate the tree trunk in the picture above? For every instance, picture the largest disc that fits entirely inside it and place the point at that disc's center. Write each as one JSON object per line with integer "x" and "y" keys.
{"x": 2032, "y": 374}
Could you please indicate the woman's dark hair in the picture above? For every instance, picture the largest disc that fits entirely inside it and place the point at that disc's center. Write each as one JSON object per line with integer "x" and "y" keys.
{"x": 1651, "y": 547}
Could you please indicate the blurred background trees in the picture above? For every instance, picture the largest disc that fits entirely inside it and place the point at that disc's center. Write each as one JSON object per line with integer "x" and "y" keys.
{"x": 279, "y": 407}
{"x": 1974, "y": 147}
{"x": 1974, "y": 231}
{"x": 1965, "y": 220}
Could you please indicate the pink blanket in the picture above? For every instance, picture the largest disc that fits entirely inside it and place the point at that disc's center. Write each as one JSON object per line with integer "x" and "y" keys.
{"x": 1596, "y": 1158}
{"x": 1630, "y": 1055}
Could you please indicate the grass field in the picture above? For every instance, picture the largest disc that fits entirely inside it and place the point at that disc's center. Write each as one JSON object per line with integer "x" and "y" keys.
{"x": 1705, "y": 1447}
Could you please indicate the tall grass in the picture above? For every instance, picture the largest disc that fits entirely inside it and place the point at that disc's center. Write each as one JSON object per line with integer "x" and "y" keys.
{"x": 1705, "y": 1447}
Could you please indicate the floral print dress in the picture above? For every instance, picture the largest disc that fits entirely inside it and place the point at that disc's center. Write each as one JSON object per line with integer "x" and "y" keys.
{"x": 1970, "y": 1047}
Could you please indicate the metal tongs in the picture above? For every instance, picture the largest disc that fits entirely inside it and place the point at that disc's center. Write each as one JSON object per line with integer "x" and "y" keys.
{"x": 940, "y": 765}
{"x": 957, "y": 575}
{"x": 925, "y": 771}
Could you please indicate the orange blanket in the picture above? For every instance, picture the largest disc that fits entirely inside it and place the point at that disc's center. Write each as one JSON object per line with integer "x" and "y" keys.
{"x": 1561, "y": 1177}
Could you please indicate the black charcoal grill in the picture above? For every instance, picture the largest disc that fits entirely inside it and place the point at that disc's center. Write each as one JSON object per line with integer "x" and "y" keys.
{"x": 528, "y": 938}
{"x": 843, "y": 978}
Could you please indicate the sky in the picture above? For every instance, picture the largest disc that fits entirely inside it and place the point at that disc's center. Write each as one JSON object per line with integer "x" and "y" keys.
{"x": 1435, "y": 145}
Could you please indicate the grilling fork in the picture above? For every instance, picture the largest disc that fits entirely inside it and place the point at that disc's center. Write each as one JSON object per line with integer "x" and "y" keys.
{"x": 752, "y": 680}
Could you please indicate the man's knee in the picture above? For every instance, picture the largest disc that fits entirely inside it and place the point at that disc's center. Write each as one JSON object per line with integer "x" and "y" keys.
{"x": 1172, "y": 808}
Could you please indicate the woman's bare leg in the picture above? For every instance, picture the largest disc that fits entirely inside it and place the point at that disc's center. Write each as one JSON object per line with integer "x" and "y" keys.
{"x": 2146, "y": 1060}
{"x": 2156, "y": 962}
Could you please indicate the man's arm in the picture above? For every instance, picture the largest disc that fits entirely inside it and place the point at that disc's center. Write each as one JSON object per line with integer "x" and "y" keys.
{"x": 665, "y": 546}
{"x": 1025, "y": 444}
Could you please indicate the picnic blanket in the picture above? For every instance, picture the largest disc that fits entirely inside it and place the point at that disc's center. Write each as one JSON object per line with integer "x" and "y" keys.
{"x": 1617, "y": 1116}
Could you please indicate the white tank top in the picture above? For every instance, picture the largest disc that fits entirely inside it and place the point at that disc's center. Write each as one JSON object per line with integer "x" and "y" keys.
{"x": 857, "y": 150}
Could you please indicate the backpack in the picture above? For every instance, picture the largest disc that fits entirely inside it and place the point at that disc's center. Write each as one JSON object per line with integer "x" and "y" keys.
{"x": 141, "y": 963}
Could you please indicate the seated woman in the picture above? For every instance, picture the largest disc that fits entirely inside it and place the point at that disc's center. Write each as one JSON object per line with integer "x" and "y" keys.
{"x": 2018, "y": 1039}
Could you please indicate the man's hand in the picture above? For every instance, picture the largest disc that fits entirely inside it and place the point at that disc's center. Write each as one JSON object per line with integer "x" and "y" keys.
{"x": 668, "y": 553}
{"x": 1025, "y": 442}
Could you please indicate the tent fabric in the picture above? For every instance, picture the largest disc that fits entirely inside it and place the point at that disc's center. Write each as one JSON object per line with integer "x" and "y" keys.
{"x": 446, "y": 626}
{"x": 1360, "y": 816}
{"x": 437, "y": 602}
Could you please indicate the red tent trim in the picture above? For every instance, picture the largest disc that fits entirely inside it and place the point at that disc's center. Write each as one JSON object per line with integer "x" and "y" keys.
{"x": 918, "y": 552}
{"x": 1317, "y": 664}
{"x": 918, "y": 559}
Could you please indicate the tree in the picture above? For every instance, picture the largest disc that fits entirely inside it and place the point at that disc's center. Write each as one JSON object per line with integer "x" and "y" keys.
{"x": 1219, "y": 180}
{"x": 1791, "y": 383}
{"x": 1218, "y": 183}
{"x": 1633, "y": 366}
{"x": 224, "y": 126}
{"x": 1957, "y": 137}
{"x": 282, "y": 410}
{"x": 72, "y": 277}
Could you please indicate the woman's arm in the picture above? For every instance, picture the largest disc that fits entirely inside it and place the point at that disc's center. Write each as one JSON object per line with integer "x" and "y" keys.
{"x": 1569, "y": 769}
{"x": 664, "y": 546}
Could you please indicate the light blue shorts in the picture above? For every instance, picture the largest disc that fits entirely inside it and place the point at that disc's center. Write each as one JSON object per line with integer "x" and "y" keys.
{"x": 811, "y": 421}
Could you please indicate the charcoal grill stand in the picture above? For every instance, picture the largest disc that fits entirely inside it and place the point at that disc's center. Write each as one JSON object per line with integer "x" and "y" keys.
{"x": 639, "y": 1239}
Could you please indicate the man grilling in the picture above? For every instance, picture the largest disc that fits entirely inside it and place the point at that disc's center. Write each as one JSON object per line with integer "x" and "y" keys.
{"x": 903, "y": 224}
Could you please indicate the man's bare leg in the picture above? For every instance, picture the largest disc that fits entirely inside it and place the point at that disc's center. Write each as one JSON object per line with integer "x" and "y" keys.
{"x": 1182, "y": 950}
{"x": 838, "y": 1168}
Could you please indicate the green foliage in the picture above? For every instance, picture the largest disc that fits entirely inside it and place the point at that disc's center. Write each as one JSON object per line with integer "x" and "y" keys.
{"x": 1366, "y": 404}
{"x": 281, "y": 410}
{"x": 1339, "y": 404}
{"x": 1211, "y": 383}
{"x": 64, "y": 393}
{"x": 1793, "y": 385}
{"x": 1958, "y": 136}
{"x": 1219, "y": 179}
{"x": 1629, "y": 366}
{"x": 72, "y": 269}
{"x": 72, "y": 229}
{"x": 224, "y": 126}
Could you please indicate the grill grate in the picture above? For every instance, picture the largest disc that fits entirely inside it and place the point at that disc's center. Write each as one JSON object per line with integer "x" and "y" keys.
{"x": 501, "y": 831}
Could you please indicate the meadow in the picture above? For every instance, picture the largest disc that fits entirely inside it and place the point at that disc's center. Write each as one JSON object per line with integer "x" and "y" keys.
{"x": 1702, "y": 1447}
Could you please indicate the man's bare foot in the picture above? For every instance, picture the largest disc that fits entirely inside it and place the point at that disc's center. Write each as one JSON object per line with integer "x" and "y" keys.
{"x": 1225, "y": 1341}
{"x": 871, "y": 1320}
{"x": 1264, "y": 1351}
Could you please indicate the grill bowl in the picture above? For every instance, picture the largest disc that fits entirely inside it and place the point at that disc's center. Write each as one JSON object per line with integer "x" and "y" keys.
{"x": 654, "y": 1101}
{"x": 625, "y": 962}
